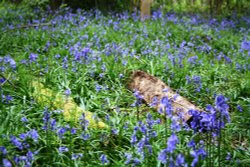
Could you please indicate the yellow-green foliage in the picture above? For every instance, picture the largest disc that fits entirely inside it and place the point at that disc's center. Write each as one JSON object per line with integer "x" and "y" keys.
{"x": 71, "y": 112}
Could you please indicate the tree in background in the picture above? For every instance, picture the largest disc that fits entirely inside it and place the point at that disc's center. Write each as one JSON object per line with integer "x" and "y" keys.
{"x": 213, "y": 7}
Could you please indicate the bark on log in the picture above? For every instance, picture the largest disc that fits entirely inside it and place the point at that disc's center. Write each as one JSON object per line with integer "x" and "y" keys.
{"x": 151, "y": 87}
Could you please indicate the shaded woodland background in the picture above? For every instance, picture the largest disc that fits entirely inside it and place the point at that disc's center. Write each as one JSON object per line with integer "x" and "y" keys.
{"x": 209, "y": 7}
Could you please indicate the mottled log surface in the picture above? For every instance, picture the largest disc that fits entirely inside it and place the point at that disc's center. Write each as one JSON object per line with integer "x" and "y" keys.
{"x": 151, "y": 87}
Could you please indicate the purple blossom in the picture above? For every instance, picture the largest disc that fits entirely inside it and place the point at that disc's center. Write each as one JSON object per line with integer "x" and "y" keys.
{"x": 63, "y": 149}
{"x": 197, "y": 82}
{"x": 76, "y": 156}
{"x": 133, "y": 139}
{"x": 23, "y": 136}
{"x": 245, "y": 45}
{"x": 222, "y": 107}
{"x": 33, "y": 134}
{"x": 166, "y": 106}
{"x": 139, "y": 98}
{"x": 191, "y": 144}
{"x": 128, "y": 157}
{"x": 239, "y": 108}
{"x": 154, "y": 101}
{"x": 83, "y": 122}
{"x": 114, "y": 131}
{"x": 228, "y": 157}
{"x": 2, "y": 80}
{"x": 103, "y": 159}
{"x": 16, "y": 142}
{"x": 98, "y": 88}
{"x": 6, "y": 163}
{"x": 33, "y": 57}
{"x": 8, "y": 60}
{"x": 85, "y": 136}
{"x": 24, "y": 119}
{"x": 61, "y": 131}
{"x": 73, "y": 131}
{"x": 3, "y": 150}
{"x": 196, "y": 158}
{"x": 163, "y": 156}
{"x": 193, "y": 59}
{"x": 171, "y": 143}
{"x": 179, "y": 160}
{"x": 67, "y": 92}
{"x": 30, "y": 155}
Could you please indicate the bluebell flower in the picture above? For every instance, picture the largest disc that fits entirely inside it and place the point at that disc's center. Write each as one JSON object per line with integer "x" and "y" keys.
{"x": 103, "y": 159}
{"x": 16, "y": 142}
{"x": 245, "y": 45}
{"x": 98, "y": 88}
{"x": 6, "y": 163}
{"x": 57, "y": 56}
{"x": 24, "y": 119}
{"x": 65, "y": 64}
{"x": 222, "y": 106}
{"x": 114, "y": 131}
{"x": 23, "y": 136}
{"x": 197, "y": 82}
{"x": 191, "y": 144}
{"x": 193, "y": 59}
{"x": 33, "y": 57}
{"x": 171, "y": 143}
{"x": 61, "y": 131}
{"x": 195, "y": 158}
{"x": 195, "y": 119}
{"x": 76, "y": 156}
{"x": 211, "y": 109}
{"x": 180, "y": 160}
{"x": 2, "y": 80}
{"x": 154, "y": 101}
{"x": 228, "y": 157}
{"x": 73, "y": 131}
{"x": 83, "y": 122}
{"x": 33, "y": 134}
{"x": 133, "y": 139}
{"x": 188, "y": 79}
{"x": 63, "y": 149}
{"x": 10, "y": 61}
{"x": 166, "y": 106}
{"x": 162, "y": 157}
{"x": 3, "y": 150}
{"x": 140, "y": 146}
{"x": 85, "y": 136}
{"x": 139, "y": 98}
{"x": 30, "y": 155}
{"x": 128, "y": 157}
{"x": 239, "y": 108}
{"x": 143, "y": 129}
{"x": 150, "y": 121}
{"x": 52, "y": 124}
{"x": 67, "y": 92}
{"x": 121, "y": 75}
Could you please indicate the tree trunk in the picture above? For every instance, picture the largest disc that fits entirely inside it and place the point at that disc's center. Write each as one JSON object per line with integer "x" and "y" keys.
{"x": 211, "y": 8}
{"x": 218, "y": 4}
{"x": 145, "y": 9}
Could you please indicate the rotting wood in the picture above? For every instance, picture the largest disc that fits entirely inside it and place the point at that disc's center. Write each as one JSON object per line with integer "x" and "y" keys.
{"x": 151, "y": 87}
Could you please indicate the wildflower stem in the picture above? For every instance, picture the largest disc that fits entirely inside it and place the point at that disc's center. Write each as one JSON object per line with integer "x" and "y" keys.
{"x": 137, "y": 111}
{"x": 219, "y": 141}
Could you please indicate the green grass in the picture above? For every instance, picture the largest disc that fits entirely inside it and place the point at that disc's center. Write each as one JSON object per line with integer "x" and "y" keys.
{"x": 118, "y": 47}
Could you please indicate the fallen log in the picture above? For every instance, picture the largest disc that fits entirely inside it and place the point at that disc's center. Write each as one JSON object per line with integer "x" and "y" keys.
{"x": 153, "y": 90}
